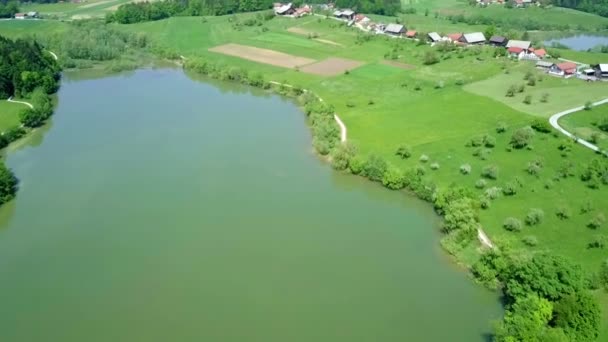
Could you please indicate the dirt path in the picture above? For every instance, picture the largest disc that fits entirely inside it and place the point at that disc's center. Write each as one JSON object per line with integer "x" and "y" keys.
{"x": 53, "y": 54}
{"x": 553, "y": 120}
{"x": 10, "y": 99}
{"x": 484, "y": 239}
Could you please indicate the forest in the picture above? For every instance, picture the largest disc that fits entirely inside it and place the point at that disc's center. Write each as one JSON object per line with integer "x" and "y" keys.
{"x": 8, "y": 9}
{"x": 599, "y": 7}
{"x": 150, "y": 11}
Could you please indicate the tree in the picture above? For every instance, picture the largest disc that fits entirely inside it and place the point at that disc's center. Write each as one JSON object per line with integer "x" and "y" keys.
{"x": 404, "y": 151}
{"x": 490, "y": 31}
{"x": 393, "y": 178}
{"x": 522, "y": 137}
{"x": 374, "y": 168}
{"x": 430, "y": 57}
{"x": 490, "y": 172}
{"x": 342, "y": 155}
{"x": 526, "y": 320}
{"x": 8, "y": 184}
{"x": 535, "y": 216}
{"x": 578, "y": 314}
{"x": 512, "y": 224}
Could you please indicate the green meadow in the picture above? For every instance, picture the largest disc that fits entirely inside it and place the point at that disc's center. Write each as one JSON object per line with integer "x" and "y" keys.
{"x": 9, "y": 114}
{"x": 585, "y": 124}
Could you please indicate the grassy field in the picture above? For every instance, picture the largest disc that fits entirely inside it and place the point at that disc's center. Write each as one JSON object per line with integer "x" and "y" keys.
{"x": 9, "y": 114}
{"x": 437, "y": 110}
{"x": 71, "y": 10}
{"x": 584, "y": 124}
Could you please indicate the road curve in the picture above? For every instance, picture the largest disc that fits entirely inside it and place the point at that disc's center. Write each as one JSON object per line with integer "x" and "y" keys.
{"x": 53, "y": 54}
{"x": 10, "y": 99}
{"x": 553, "y": 120}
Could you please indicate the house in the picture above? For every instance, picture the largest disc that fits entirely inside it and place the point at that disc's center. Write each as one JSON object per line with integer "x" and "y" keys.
{"x": 410, "y": 34}
{"x": 434, "y": 37}
{"x": 544, "y": 65}
{"x": 473, "y": 38}
{"x": 498, "y": 41}
{"x": 455, "y": 37}
{"x": 563, "y": 69}
{"x": 540, "y": 53}
{"x": 284, "y": 9}
{"x": 394, "y": 29}
{"x": 515, "y": 52}
{"x": 20, "y": 15}
{"x": 302, "y": 11}
{"x": 32, "y": 14}
{"x": 360, "y": 18}
{"x": 347, "y": 14}
{"x": 601, "y": 70}
{"x": 522, "y": 44}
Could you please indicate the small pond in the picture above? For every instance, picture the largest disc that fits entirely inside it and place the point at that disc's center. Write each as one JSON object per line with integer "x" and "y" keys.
{"x": 580, "y": 42}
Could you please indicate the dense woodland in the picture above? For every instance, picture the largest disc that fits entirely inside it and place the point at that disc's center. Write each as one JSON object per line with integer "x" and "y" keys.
{"x": 149, "y": 11}
{"x": 599, "y": 7}
{"x": 8, "y": 9}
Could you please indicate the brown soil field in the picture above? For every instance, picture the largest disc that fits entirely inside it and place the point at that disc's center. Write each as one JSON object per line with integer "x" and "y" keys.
{"x": 262, "y": 55}
{"x": 399, "y": 65}
{"x": 331, "y": 66}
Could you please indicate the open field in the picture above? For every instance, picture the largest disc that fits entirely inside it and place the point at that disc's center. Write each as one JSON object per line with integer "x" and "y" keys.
{"x": 262, "y": 55}
{"x": 331, "y": 66}
{"x": 9, "y": 114}
{"x": 71, "y": 10}
{"x": 584, "y": 124}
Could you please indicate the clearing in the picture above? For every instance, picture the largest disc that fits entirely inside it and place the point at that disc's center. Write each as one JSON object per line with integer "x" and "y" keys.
{"x": 331, "y": 66}
{"x": 262, "y": 55}
{"x": 303, "y": 32}
{"x": 9, "y": 114}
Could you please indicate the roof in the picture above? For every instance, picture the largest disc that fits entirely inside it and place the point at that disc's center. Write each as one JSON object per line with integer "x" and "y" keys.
{"x": 514, "y": 49}
{"x": 544, "y": 64}
{"x": 394, "y": 28}
{"x": 474, "y": 37}
{"x": 455, "y": 36}
{"x": 410, "y": 33}
{"x": 19, "y": 14}
{"x": 540, "y": 52}
{"x": 603, "y": 67}
{"x": 519, "y": 43}
{"x": 498, "y": 39}
{"x": 359, "y": 17}
{"x": 32, "y": 14}
{"x": 566, "y": 66}
{"x": 337, "y": 13}
{"x": 435, "y": 36}
{"x": 348, "y": 12}
{"x": 283, "y": 8}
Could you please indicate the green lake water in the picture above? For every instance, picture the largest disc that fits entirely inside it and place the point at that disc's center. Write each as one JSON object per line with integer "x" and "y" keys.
{"x": 158, "y": 208}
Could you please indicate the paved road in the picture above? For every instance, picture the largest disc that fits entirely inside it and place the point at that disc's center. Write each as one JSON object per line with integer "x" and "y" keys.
{"x": 553, "y": 120}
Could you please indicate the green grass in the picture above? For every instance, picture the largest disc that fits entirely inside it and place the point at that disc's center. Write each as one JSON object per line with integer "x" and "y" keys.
{"x": 9, "y": 114}
{"x": 563, "y": 93}
{"x": 70, "y": 10}
{"x": 584, "y": 123}
{"x": 22, "y": 28}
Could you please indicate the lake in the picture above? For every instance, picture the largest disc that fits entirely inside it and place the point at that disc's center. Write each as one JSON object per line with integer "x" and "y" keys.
{"x": 581, "y": 42}
{"x": 159, "y": 208}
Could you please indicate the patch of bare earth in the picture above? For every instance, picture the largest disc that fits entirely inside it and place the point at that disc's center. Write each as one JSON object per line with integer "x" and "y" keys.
{"x": 399, "y": 65}
{"x": 262, "y": 55}
{"x": 331, "y": 66}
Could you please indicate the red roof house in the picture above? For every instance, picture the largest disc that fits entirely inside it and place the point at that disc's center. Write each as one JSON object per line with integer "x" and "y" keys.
{"x": 410, "y": 34}
{"x": 563, "y": 69}
{"x": 455, "y": 36}
{"x": 540, "y": 53}
{"x": 515, "y": 50}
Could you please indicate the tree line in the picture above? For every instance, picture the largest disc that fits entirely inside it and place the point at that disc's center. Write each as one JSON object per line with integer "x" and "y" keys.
{"x": 599, "y": 7}
{"x": 8, "y": 9}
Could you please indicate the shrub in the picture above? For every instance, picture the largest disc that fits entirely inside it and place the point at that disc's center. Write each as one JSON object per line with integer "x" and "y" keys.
{"x": 489, "y": 141}
{"x": 588, "y": 105}
{"x": 424, "y": 158}
{"x": 521, "y": 88}
{"x": 490, "y": 172}
{"x": 484, "y": 202}
{"x": 393, "y": 178}
{"x": 597, "y": 221}
{"x": 420, "y": 170}
{"x": 501, "y": 127}
{"x": 481, "y": 183}
{"x": 540, "y": 125}
{"x": 342, "y": 155}
{"x": 599, "y": 241}
{"x": 510, "y": 189}
{"x": 527, "y": 99}
{"x": 374, "y": 168}
{"x": 404, "y": 151}
{"x": 586, "y": 207}
{"x": 549, "y": 184}
{"x": 534, "y": 167}
{"x": 430, "y": 58}
{"x": 512, "y": 224}
{"x": 563, "y": 212}
{"x": 356, "y": 165}
{"x": 522, "y": 137}
{"x": 511, "y": 91}
{"x": 434, "y": 166}
{"x": 530, "y": 240}
{"x": 465, "y": 169}
{"x": 322, "y": 146}
{"x": 493, "y": 192}
{"x": 544, "y": 98}
{"x": 535, "y": 216}
{"x": 532, "y": 81}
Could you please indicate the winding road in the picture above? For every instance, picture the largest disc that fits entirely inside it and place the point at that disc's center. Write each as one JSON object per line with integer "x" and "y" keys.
{"x": 53, "y": 54}
{"x": 10, "y": 99}
{"x": 553, "y": 120}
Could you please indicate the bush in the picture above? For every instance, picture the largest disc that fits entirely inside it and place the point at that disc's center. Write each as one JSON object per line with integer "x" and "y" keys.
{"x": 534, "y": 167}
{"x": 563, "y": 212}
{"x": 511, "y": 91}
{"x": 481, "y": 183}
{"x": 510, "y": 189}
{"x": 512, "y": 224}
{"x": 430, "y": 58}
{"x": 588, "y": 105}
{"x": 489, "y": 141}
{"x": 540, "y": 125}
{"x": 393, "y": 178}
{"x": 484, "y": 202}
{"x": 501, "y": 127}
{"x": 597, "y": 221}
{"x": 532, "y": 81}
{"x": 404, "y": 151}
{"x": 424, "y": 158}
{"x": 434, "y": 166}
{"x": 356, "y": 165}
{"x": 527, "y": 99}
{"x": 535, "y": 216}
{"x": 522, "y": 137}
{"x": 599, "y": 241}
{"x": 465, "y": 169}
{"x": 530, "y": 240}
{"x": 490, "y": 172}
{"x": 342, "y": 155}
{"x": 493, "y": 192}
{"x": 544, "y": 98}
{"x": 374, "y": 168}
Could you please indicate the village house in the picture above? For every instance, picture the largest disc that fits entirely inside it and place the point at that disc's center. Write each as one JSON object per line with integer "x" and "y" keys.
{"x": 283, "y": 9}
{"x": 362, "y": 19}
{"x": 522, "y": 44}
{"x": 474, "y": 38}
{"x": 394, "y": 29}
{"x": 410, "y": 34}
{"x": 601, "y": 70}
{"x": 540, "y": 53}
{"x": 20, "y": 15}
{"x": 565, "y": 69}
{"x": 515, "y": 52}
{"x": 347, "y": 14}
{"x": 544, "y": 65}
{"x": 434, "y": 37}
{"x": 32, "y": 15}
{"x": 455, "y": 37}
{"x": 302, "y": 11}
{"x": 498, "y": 41}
